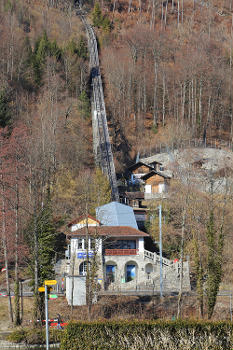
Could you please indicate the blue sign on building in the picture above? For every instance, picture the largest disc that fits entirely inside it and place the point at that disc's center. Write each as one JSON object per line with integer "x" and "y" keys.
{"x": 83, "y": 255}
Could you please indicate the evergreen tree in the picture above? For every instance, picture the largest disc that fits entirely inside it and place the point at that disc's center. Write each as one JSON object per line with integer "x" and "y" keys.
{"x": 5, "y": 109}
{"x": 106, "y": 24}
{"x": 49, "y": 244}
{"x": 82, "y": 50}
{"x": 214, "y": 264}
{"x": 97, "y": 17}
{"x": 84, "y": 105}
{"x": 43, "y": 49}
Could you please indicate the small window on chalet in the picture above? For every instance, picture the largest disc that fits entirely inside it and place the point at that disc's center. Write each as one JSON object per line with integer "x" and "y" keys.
{"x": 161, "y": 168}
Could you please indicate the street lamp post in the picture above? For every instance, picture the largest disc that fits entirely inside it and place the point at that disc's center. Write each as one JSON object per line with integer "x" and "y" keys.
{"x": 160, "y": 251}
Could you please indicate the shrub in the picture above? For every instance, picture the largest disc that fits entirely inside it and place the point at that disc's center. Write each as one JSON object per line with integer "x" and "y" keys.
{"x": 17, "y": 336}
{"x": 34, "y": 336}
{"x": 147, "y": 335}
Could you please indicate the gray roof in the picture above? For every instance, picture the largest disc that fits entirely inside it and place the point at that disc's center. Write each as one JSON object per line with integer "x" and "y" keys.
{"x": 116, "y": 214}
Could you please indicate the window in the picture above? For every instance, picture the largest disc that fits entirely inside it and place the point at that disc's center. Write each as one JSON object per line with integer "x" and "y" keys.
{"x": 122, "y": 244}
{"x": 83, "y": 268}
{"x": 110, "y": 273}
{"x": 80, "y": 243}
{"x": 130, "y": 273}
{"x": 127, "y": 244}
{"x": 85, "y": 244}
{"x": 92, "y": 244}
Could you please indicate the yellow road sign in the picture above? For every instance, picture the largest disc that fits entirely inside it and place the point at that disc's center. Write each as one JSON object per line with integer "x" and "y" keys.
{"x": 41, "y": 289}
{"x": 50, "y": 282}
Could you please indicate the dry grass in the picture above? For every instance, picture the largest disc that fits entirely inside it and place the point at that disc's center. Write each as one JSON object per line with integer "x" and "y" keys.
{"x": 118, "y": 308}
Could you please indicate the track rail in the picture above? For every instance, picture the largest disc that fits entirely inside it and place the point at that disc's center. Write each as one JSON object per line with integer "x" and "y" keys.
{"x": 101, "y": 142}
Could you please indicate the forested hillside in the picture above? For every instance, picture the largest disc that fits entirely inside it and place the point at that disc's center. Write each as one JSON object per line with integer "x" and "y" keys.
{"x": 167, "y": 72}
{"x": 46, "y": 142}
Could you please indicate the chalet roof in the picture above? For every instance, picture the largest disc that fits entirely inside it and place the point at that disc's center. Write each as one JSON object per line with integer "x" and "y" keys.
{"x": 80, "y": 218}
{"x": 139, "y": 164}
{"x": 154, "y": 172}
{"x": 109, "y": 231}
{"x": 134, "y": 195}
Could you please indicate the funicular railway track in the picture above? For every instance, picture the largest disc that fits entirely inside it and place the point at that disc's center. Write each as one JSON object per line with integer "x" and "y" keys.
{"x": 101, "y": 142}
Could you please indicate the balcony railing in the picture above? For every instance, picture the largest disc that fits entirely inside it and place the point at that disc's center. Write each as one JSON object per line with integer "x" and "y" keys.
{"x": 121, "y": 252}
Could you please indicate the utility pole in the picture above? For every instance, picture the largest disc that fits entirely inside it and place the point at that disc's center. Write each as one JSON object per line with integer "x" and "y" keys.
{"x": 231, "y": 305}
{"x": 160, "y": 250}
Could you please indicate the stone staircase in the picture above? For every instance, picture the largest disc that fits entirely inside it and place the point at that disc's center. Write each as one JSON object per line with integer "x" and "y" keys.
{"x": 155, "y": 258}
{"x": 171, "y": 274}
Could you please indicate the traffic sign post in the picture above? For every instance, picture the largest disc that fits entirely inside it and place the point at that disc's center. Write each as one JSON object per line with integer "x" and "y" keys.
{"x": 46, "y": 317}
{"x": 47, "y": 286}
{"x": 50, "y": 282}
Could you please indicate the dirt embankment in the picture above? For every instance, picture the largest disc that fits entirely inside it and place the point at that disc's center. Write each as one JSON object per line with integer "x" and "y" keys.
{"x": 121, "y": 307}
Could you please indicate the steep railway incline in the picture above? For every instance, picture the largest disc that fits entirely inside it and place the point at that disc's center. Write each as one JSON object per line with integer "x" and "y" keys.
{"x": 101, "y": 142}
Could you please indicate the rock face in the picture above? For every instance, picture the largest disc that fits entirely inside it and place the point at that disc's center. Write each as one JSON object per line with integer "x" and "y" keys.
{"x": 205, "y": 163}
{"x": 209, "y": 158}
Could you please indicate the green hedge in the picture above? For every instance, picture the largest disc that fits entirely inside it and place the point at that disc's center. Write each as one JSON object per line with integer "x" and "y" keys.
{"x": 147, "y": 335}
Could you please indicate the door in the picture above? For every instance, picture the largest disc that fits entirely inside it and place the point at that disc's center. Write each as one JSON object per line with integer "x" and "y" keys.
{"x": 147, "y": 188}
{"x": 110, "y": 273}
{"x": 130, "y": 273}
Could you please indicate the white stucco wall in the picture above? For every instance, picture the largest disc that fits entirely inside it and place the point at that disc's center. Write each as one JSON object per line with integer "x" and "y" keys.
{"x": 79, "y": 295}
{"x": 141, "y": 245}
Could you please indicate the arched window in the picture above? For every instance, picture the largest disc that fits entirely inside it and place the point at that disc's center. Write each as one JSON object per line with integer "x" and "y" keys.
{"x": 110, "y": 273}
{"x": 83, "y": 268}
{"x": 149, "y": 269}
{"x": 130, "y": 271}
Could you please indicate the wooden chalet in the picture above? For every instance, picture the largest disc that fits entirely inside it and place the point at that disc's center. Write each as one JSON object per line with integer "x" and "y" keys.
{"x": 156, "y": 183}
{"x": 139, "y": 169}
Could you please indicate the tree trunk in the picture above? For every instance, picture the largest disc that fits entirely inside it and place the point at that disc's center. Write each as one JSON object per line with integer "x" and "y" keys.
{"x": 179, "y": 304}
{"x": 161, "y": 13}
{"x": 5, "y": 251}
{"x": 183, "y": 101}
{"x": 178, "y": 13}
{"x": 182, "y": 11}
{"x": 200, "y": 104}
{"x": 36, "y": 265}
{"x": 165, "y": 17}
{"x": 21, "y": 294}
{"x": 130, "y": 4}
{"x": 88, "y": 275}
{"x": 164, "y": 93}
{"x": 72, "y": 285}
{"x": 17, "y": 298}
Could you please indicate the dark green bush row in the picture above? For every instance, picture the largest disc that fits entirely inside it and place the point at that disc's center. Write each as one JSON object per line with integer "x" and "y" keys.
{"x": 147, "y": 335}
{"x": 34, "y": 336}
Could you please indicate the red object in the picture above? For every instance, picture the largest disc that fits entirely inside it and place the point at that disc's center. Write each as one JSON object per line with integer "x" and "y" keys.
{"x": 121, "y": 251}
{"x": 175, "y": 260}
{"x": 53, "y": 323}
